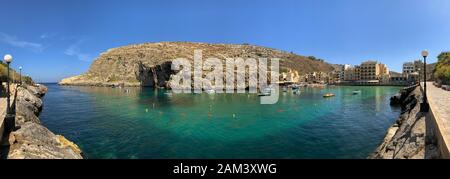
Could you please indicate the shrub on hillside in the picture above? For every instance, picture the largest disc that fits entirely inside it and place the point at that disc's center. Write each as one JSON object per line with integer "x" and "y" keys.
{"x": 443, "y": 68}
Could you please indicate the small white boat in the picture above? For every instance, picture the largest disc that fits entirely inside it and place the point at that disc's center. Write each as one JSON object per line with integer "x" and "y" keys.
{"x": 329, "y": 95}
{"x": 210, "y": 91}
{"x": 266, "y": 92}
{"x": 356, "y": 92}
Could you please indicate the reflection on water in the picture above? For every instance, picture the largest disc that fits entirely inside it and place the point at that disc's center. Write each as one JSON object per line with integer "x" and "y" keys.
{"x": 147, "y": 123}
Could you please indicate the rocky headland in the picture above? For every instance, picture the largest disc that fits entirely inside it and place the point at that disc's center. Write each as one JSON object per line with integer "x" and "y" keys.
{"x": 411, "y": 136}
{"x": 30, "y": 139}
{"x": 149, "y": 64}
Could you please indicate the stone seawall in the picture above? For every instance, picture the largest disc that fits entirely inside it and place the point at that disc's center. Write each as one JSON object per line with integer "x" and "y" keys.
{"x": 30, "y": 139}
{"x": 412, "y": 136}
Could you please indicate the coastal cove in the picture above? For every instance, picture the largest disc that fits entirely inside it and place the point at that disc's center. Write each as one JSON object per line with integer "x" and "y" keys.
{"x": 146, "y": 123}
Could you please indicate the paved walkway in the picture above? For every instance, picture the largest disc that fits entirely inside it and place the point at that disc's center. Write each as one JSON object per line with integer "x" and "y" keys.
{"x": 439, "y": 101}
{"x": 3, "y": 110}
{"x": 2, "y": 116}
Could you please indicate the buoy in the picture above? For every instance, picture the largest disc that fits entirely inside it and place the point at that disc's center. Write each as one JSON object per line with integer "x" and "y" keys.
{"x": 234, "y": 115}
{"x": 146, "y": 110}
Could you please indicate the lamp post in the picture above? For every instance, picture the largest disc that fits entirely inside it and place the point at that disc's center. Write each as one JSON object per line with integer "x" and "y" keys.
{"x": 10, "y": 123}
{"x": 424, "y": 107}
{"x": 20, "y": 75}
{"x": 8, "y": 60}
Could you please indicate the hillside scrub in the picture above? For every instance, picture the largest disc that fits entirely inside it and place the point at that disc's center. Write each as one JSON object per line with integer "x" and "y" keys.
{"x": 442, "y": 72}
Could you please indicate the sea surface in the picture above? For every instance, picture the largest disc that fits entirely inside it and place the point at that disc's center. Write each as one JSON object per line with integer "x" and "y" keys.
{"x": 110, "y": 123}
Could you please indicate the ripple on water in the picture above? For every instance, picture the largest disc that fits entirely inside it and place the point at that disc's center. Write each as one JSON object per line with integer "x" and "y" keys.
{"x": 144, "y": 123}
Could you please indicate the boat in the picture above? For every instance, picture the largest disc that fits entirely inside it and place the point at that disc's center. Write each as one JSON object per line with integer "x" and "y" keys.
{"x": 210, "y": 91}
{"x": 328, "y": 95}
{"x": 295, "y": 86}
{"x": 356, "y": 92}
{"x": 168, "y": 93}
{"x": 297, "y": 91}
{"x": 266, "y": 92}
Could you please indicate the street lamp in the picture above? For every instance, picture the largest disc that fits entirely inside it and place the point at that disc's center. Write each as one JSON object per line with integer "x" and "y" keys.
{"x": 9, "y": 118}
{"x": 8, "y": 59}
{"x": 20, "y": 75}
{"x": 424, "y": 107}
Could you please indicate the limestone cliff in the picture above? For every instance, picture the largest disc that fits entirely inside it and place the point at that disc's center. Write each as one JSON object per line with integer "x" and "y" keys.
{"x": 30, "y": 139}
{"x": 411, "y": 136}
{"x": 149, "y": 64}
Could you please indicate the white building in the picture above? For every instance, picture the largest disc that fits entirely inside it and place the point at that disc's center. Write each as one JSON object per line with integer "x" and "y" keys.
{"x": 342, "y": 71}
{"x": 408, "y": 68}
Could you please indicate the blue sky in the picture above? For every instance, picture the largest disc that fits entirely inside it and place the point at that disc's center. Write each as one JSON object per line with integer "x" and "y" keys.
{"x": 53, "y": 39}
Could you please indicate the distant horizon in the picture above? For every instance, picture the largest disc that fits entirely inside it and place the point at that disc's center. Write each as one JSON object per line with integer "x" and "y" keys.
{"x": 54, "y": 39}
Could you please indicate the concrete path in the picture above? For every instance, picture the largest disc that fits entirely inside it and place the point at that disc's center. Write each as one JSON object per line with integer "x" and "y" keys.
{"x": 3, "y": 110}
{"x": 2, "y": 116}
{"x": 439, "y": 101}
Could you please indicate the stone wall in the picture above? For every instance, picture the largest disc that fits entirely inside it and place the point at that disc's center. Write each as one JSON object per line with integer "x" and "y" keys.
{"x": 412, "y": 136}
{"x": 30, "y": 139}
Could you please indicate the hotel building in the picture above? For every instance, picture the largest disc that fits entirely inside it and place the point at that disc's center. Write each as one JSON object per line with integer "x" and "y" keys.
{"x": 369, "y": 72}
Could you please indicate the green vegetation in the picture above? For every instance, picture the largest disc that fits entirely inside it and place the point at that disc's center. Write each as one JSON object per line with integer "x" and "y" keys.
{"x": 315, "y": 59}
{"x": 14, "y": 76}
{"x": 442, "y": 72}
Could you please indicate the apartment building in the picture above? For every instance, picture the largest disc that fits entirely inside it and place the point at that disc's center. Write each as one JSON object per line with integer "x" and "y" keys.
{"x": 352, "y": 74}
{"x": 408, "y": 68}
{"x": 317, "y": 77}
{"x": 367, "y": 72}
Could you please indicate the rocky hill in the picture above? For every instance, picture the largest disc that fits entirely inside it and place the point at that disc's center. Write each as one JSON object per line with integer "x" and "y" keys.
{"x": 149, "y": 64}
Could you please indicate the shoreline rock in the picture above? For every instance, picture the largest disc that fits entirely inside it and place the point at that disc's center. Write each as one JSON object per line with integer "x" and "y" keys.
{"x": 410, "y": 137}
{"x": 30, "y": 139}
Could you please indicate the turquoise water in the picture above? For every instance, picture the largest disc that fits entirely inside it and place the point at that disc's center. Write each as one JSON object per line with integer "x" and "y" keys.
{"x": 147, "y": 123}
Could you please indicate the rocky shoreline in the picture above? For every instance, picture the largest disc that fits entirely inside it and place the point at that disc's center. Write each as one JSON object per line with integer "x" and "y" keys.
{"x": 411, "y": 136}
{"x": 30, "y": 139}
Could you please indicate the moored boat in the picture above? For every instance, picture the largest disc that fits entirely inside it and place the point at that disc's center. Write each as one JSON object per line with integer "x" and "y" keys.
{"x": 210, "y": 91}
{"x": 266, "y": 92}
{"x": 356, "y": 92}
{"x": 329, "y": 95}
